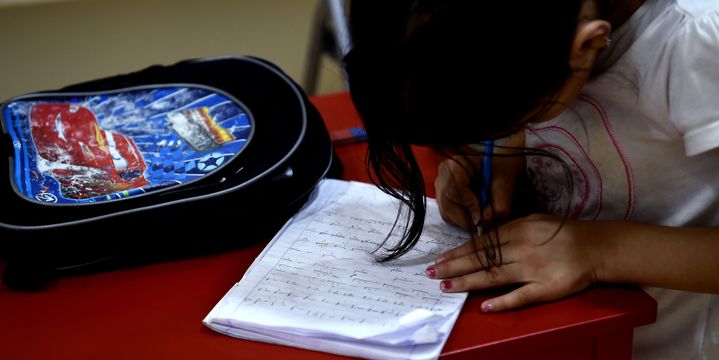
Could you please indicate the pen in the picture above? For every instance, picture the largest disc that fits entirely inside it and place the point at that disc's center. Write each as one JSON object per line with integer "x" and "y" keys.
{"x": 348, "y": 136}
{"x": 486, "y": 189}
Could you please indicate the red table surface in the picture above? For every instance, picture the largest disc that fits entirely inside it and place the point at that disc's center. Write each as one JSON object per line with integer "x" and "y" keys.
{"x": 155, "y": 311}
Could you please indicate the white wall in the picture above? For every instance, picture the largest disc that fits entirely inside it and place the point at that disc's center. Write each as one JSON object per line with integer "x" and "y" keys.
{"x": 50, "y": 44}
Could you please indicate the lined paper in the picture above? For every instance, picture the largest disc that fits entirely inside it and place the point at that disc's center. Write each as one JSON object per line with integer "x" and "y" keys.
{"x": 318, "y": 278}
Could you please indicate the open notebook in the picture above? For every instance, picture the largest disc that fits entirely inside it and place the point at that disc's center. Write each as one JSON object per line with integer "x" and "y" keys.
{"x": 317, "y": 286}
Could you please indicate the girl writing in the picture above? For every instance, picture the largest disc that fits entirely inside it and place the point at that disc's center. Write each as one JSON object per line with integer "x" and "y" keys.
{"x": 610, "y": 109}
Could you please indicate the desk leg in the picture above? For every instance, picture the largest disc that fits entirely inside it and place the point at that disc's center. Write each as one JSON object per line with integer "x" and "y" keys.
{"x": 614, "y": 346}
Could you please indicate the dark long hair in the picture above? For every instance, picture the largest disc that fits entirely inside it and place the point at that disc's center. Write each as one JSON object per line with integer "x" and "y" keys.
{"x": 449, "y": 73}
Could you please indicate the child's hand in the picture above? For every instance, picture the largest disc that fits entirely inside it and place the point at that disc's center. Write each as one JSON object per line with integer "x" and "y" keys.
{"x": 550, "y": 264}
{"x": 458, "y": 202}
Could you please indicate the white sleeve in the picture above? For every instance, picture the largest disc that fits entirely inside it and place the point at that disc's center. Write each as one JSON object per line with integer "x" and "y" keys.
{"x": 693, "y": 83}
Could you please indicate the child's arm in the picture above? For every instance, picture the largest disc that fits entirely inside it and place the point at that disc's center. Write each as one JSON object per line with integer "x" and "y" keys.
{"x": 554, "y": 264}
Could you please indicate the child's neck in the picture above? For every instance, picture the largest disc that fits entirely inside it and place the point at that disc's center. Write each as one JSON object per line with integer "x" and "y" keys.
{"x": 619, "y": 11}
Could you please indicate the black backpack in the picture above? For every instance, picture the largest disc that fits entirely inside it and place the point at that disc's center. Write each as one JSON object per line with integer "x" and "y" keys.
{"x": 201, "y": 156}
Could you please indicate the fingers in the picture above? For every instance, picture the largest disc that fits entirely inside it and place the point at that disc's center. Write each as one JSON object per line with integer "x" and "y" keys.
{"x": 507, "y": 274}
{"x": 525, "y": 295}
{"x": 494, "y": 277}
{"x": 474, "y": 246}
{"x": 502, "y": 193}
{"x": 457, "y": 206}
{"x": 466, "y": 264}
{"x": 504, "y": 182}
{"x": 455, "y": 197}
{"x": 466, "y": 268}
{"x": 467, "y": 248}
{"x": 547, "y": 264}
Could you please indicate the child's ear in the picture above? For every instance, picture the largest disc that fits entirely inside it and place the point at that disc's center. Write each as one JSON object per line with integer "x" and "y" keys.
{"x": 590, "y": 37}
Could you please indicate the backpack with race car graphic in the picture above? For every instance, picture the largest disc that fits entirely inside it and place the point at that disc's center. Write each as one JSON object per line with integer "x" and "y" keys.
{"x": 168, "y": 161}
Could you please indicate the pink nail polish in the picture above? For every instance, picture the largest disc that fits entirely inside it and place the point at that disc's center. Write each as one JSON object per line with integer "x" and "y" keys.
{"x": 445, "y": 285}
{"x": 488, "y": 307}
{"x": 431, "y": 272}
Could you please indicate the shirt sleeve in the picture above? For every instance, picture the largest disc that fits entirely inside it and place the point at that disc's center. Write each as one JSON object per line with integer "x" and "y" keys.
{"x": 693, "y": 95}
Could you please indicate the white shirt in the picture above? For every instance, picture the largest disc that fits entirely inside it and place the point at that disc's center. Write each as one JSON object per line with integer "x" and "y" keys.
{"x": 642, "y": 144}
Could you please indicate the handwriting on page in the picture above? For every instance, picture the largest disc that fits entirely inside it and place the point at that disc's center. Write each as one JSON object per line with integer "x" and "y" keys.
{"x": 328, "y": 272}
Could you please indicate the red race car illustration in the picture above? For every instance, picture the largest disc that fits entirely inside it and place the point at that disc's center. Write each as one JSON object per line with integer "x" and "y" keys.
{"x": 86, "y": 160}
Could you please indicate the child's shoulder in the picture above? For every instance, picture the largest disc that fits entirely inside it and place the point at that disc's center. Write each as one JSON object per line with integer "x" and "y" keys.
{"x": 698, "y": 8}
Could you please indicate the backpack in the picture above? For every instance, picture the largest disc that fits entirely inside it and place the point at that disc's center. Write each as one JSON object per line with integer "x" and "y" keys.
{"x": 201, "y": 156}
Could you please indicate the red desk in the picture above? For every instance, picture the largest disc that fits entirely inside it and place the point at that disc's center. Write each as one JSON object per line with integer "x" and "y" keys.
{"x": 155, "y": 311}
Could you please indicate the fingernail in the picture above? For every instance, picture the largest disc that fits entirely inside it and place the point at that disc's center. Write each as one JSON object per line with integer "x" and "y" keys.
{"x": 440, "y": 259}
{"x": 488, "y": 307}
{"x": 475, "y": 218}
{"x": 431, "y": 272}
{"x": 445, "y": 285}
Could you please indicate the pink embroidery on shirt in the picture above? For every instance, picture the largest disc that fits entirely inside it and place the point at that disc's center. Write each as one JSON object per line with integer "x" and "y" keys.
{"x": 584, "y": 194}
{"x": 620, "y": 151}
{"x": 587, "y": 160}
